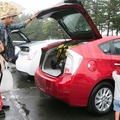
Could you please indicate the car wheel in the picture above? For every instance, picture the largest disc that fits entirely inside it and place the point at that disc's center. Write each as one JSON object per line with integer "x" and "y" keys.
{"x": 100, "y": 101}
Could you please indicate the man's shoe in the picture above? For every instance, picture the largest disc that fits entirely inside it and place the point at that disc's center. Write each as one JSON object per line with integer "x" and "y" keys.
{"x": 5, "y": 107}
{"x": 2, "y": 113}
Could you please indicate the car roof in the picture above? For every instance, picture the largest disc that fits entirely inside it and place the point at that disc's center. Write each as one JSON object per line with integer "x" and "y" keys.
{"x": 108, "y": 38}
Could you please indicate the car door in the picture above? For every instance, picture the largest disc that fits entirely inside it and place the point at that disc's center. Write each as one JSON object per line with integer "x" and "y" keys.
{"x": 18, "y": 38}
{"x": 115, "y": 57}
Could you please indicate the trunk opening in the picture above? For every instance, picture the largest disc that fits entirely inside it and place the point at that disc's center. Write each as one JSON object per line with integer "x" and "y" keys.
{"x": 54, "y": 60}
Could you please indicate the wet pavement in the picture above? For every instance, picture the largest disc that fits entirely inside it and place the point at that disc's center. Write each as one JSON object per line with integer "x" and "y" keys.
{"x": 29, "y": 103}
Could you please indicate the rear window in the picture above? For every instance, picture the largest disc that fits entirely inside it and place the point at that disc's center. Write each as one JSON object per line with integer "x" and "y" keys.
{"x": 76, "y": 23}
{"x": 72, "y": 21}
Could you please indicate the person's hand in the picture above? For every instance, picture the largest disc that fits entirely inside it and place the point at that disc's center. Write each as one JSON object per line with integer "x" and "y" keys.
{"x": 33, "y": 16}
{"x": 2, "y": 63}
{"x": 2, "y": 58}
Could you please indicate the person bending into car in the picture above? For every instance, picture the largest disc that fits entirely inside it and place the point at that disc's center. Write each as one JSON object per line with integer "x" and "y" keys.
{"x": 7, "y": 15}
{"x": 116, "y": 102}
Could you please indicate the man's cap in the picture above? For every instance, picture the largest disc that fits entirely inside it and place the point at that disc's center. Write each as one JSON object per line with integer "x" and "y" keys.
{"x": 8, "y": 9}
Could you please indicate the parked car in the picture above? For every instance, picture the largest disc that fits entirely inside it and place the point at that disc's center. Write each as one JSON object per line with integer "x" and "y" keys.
{"x": 79, "y": 71}
{"x": 30, "y": 54}
{"x": 19, "y": 38}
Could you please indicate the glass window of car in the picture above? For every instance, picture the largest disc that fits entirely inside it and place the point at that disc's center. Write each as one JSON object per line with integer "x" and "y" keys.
{"x": 18, "y": 37}
{"x": 116, "y": 44}
{"x": 105, "y": 47}
{"x": 76, "y": 23}
{"x": 72, "y": 21}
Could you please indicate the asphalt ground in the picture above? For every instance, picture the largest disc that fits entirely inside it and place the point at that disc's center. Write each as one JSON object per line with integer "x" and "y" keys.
{"x": 29, "y": 103}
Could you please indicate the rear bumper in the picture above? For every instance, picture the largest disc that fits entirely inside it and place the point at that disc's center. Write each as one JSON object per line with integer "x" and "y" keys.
{"x": 62, "y": 88}
{"x": 52, "y": 86}
{"x": 27, "y": 66}
{"x": 23, "y": 65}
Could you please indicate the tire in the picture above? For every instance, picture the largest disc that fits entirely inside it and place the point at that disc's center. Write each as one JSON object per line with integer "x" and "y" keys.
{"x": 100, "y": 101}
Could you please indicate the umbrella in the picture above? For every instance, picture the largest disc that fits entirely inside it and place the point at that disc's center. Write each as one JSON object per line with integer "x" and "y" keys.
{"x": 8, "y": 9}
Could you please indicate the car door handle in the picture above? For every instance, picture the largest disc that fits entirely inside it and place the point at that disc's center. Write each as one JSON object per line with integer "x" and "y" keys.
{"x": 117, "y": 64}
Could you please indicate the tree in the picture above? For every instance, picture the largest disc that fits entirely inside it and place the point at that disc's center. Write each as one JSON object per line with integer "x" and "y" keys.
{"x": 105, "y": 14}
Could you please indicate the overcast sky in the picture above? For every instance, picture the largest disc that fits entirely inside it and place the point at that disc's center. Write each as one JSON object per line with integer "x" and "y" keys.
{"x": 32, "y": 6}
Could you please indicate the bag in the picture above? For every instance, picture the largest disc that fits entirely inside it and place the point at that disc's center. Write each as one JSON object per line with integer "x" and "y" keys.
{"x": 6, "y": 81}
{"x": 2, "y": 47}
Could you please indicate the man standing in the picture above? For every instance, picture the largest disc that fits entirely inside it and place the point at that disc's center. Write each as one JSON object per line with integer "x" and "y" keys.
{"x": 7, "y": 15}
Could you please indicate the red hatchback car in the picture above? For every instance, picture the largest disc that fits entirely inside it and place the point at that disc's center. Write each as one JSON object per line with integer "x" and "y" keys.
{"x": 79, "y": 71}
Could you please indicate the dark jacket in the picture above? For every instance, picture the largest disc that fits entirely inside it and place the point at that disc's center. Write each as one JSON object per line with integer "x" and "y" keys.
{"x": 9, "y": 48}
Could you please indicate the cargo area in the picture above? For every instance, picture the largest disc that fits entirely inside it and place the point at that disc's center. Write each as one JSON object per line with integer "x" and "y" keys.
{"x": 54, "y": 60}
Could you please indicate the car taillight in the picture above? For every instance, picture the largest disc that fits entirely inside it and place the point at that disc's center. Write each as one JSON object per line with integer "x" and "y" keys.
{"x": 92, "y": 65}
{"x": 72, "y": 62}
{"x": 68, "y": 66}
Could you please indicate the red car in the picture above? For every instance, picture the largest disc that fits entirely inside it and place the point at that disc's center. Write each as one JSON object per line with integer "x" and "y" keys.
{"x": 79, "y": 71}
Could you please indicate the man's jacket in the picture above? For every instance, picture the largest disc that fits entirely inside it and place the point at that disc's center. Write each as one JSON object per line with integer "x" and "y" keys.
{"x": 9, "y": 48}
